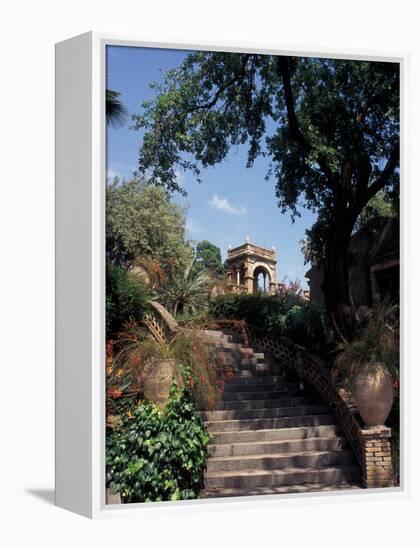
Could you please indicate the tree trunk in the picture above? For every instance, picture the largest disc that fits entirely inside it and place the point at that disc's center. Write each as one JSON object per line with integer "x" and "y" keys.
{"x": 336, "y": 286}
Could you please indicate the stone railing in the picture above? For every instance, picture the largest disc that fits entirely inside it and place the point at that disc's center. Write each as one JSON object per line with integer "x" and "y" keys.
{"x": 160, "y": 323}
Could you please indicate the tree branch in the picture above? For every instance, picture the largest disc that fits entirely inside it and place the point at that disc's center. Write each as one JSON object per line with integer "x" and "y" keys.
{"x": 386, "y": 173}
{"x": 295, "y": 131}
{"x": 283, "y": 70}
{"x": 369, "y": 192}
{"x": 240, "y": 75}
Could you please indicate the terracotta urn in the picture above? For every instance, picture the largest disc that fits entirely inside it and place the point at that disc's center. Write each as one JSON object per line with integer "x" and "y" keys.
{"x": 157, "y": 381}
{"x": 373, "y": 393}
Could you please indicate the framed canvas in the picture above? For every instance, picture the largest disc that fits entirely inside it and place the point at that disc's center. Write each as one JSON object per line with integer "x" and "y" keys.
{"x": 230, "y": 297}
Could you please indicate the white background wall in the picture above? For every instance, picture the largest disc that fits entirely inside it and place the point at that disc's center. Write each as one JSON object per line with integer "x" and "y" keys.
{"x": 29, "y": 30}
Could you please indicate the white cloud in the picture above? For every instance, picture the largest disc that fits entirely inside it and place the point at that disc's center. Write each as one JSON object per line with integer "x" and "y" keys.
{"x": 180, "y": 177}
{"x": 111, "y": 174}
{"x": 223, "y": 204}
{"x": 192, "y": 228}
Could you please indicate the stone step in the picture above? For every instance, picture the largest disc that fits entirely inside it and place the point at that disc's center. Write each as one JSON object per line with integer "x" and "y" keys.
{"x": 231, "y": 360}
{"x": 232, "y": 397}
{"x": 229, "y": 347}
{"x": 331, "y": 443}
{"x": 250, "y": 365}
{"x": 250, "y": 374}
{"x": 274, "y": 434}
{"x": 245, "y": 414}
{"x": 268, "y": 381}
{"x": 303, "y": 488}
{"x": 303, "y": 459}
{"x": 261, "y": 368}
{"x": 269, "y": 423}
{"x": 214, "y": 333}
{"x": 249, "y": 404}
{"x": 245, "y": 479}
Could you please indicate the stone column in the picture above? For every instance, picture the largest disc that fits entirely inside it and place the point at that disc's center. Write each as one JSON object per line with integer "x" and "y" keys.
{"x": 238, "y": 277}
{"x": 375, "y": 443}
{"x": 249, "y": 284}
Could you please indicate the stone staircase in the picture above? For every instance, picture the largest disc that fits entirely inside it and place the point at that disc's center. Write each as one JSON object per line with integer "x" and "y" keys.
{"x": 270, "y": 435}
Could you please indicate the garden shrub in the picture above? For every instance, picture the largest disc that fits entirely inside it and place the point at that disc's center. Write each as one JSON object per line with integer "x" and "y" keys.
{"x": 126, "y": 298}
{"x": 289, "y": 316}
{"x": 156, "y": 456}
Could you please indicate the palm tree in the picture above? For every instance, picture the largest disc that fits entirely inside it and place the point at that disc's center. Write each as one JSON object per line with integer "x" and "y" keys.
{"x": 187, "y": 291}
{"x": 116, "y": 112}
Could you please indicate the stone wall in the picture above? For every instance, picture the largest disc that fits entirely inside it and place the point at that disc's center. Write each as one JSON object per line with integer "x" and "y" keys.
{"x": 377, "y": 469}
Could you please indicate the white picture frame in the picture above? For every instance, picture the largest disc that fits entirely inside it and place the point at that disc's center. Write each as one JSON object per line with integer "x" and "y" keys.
{"x": 80, "y": 275}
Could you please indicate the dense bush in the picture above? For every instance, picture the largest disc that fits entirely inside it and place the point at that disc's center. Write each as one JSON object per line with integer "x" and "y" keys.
{"x": 157, "y": 456}
{"x": 289, "y": 316}
{"x": 126, "y": 298}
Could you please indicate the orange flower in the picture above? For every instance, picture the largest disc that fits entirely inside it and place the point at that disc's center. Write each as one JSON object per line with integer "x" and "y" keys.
{"x": 114, "y": 393}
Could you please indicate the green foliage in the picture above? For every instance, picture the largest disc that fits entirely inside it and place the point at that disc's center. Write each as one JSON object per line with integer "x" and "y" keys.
{"x": 142, "y": 222}
{"x": 377, "y": 342}
{"x": 126, "y": 298}
{"x": 157, "y": 456}
{"x": 208, "y": 257}
{"x": 339, "y": 111}
{"x": 329, "y": 127}
{"x": 186, "y": 291}
{"x": 379, "y": 206}
{"x": 288, "y": 316}
{"x": 116, "y": 112}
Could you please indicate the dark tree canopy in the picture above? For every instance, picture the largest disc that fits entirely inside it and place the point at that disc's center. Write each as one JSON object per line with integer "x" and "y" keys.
{"x": 330, "y": 129}
{"x": 208, "y": 256}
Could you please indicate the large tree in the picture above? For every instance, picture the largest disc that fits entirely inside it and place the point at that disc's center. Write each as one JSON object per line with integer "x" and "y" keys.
{"x": 209, "y": 257}
{"x": 142, "y": 223}
{"x": 329, "y": 127}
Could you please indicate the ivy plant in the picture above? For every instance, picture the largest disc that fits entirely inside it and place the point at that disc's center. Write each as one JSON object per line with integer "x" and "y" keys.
{"x": 156, "y": 456}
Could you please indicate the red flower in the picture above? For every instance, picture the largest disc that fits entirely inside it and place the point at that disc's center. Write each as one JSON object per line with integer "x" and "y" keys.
{"x": 114, "y": 393}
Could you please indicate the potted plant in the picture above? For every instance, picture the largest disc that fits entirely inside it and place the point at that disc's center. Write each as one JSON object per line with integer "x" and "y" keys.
{"x": 153, "y": 365}
{"x": 370, "y": 365}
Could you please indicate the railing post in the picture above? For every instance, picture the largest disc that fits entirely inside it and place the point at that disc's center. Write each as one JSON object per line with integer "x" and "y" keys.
{"x": 375, "y": 443}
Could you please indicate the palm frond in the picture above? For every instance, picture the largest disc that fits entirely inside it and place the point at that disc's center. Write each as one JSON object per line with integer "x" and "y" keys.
{"x": 116, "y": 112}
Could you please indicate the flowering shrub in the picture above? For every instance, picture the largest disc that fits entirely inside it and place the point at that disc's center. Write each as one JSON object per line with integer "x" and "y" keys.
{"x": 122, "y": 391}
{"x": 155, "y": 456}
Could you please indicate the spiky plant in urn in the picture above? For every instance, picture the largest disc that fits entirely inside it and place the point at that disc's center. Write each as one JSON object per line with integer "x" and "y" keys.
{"x": 370, "y": 365}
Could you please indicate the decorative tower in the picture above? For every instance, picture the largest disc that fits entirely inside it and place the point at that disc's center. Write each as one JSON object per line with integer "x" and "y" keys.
{"x": 247, "y": 262}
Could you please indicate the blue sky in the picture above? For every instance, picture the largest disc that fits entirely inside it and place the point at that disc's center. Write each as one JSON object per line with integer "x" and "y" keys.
{"x": 233, "y": 202}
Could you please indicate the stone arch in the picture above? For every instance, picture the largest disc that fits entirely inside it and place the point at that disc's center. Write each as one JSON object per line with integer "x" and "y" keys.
{"x": 262, "y": 270}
